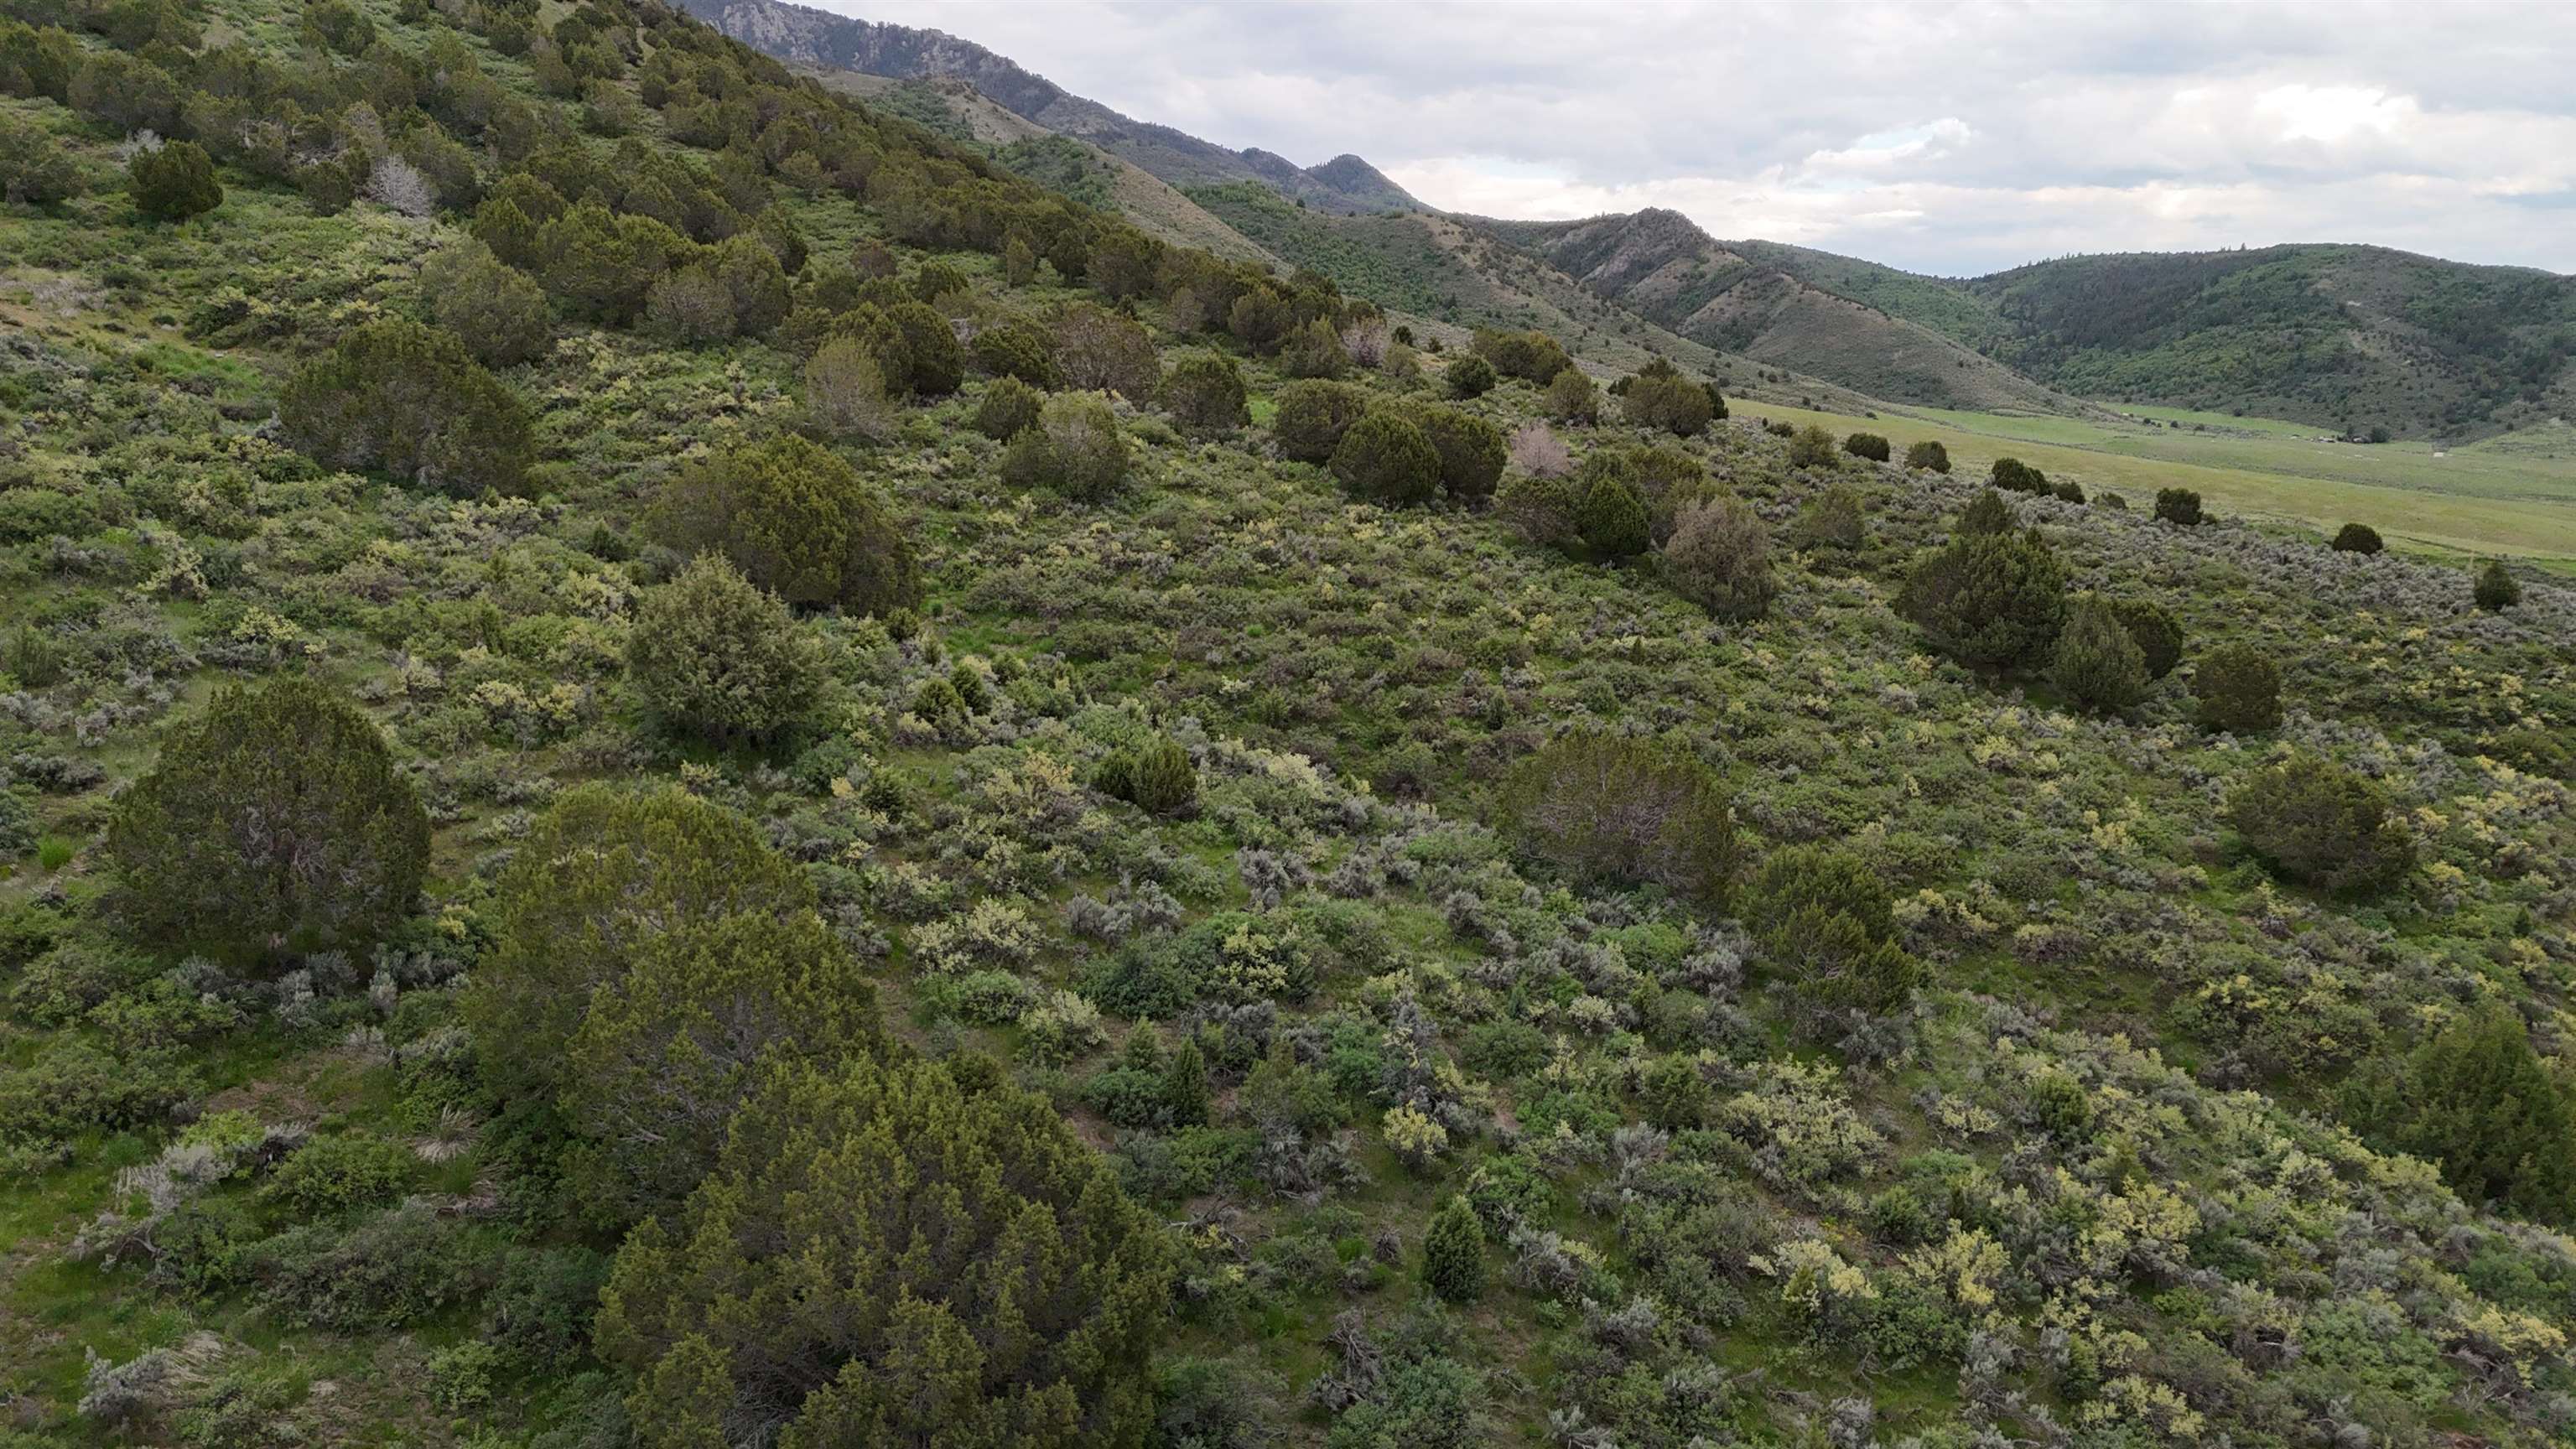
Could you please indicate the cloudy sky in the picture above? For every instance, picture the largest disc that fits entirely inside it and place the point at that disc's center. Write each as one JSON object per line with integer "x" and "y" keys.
{"x": 1946, "y": 138}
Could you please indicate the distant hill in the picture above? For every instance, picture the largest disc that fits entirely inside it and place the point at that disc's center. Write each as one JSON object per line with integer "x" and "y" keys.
{"x": 1449, "y": 270}
{"x": 2346, "y": 336}
{"x": 816, "y": 38}
{"x": 1660, "y": 265}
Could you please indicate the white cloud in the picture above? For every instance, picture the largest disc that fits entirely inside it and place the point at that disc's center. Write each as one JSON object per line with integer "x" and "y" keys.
{"x": 1951, "y": 138}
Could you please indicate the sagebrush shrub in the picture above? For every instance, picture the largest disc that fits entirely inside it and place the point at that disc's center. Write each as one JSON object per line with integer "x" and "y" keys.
{"x": 1719, "y": 557}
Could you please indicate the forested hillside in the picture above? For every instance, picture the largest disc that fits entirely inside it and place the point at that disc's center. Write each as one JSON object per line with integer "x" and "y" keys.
{"x": 2345, "y": 336}
{"x": 683, "y": 766}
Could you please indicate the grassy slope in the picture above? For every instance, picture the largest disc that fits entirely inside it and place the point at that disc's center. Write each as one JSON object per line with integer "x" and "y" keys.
{"x": 2061, "y": 876}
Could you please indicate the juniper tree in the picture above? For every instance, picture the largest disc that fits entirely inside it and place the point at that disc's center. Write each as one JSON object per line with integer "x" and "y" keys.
{"x": 796, "y": 519}
{"x": 718, "y": 657}
{"x": 1988, "y": 600}
{"x": 1385, "y": 459}
{"x": 1205, "y": 393}
{"x": 406, "y": 399}
{"x": 1720, "y": 558}
{"x": 1624, "y": 808}
{"x": 1311, "y": 418}
{"x": 1453, "y": 1253}
{"x": 273, "y": 821}
{"x": 1007, "y": 407}
{"x": 604, "y": 873}
{"x": 2098, "y": 665}
{"x": 2322, "y": 824}
{"x": 1076, "y": 447}
{"x": 885, "y": 1254}
{"x": 2237, "y": 688}
{"x": 174, "y": 181}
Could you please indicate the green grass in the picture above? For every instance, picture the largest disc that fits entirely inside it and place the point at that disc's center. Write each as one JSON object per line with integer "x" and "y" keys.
{"x": 2477, "y": 500}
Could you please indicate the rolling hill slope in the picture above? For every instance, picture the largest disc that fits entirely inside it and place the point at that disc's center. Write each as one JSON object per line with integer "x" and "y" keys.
{"x": 2347, "y": 336}
{"x": 1662, "y": 266}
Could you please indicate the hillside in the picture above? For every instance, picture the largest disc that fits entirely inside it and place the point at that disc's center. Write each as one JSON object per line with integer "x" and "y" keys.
{"x": 685, "y": 765}
{"x": 1442, "y": 269}
{"x": 2342, "y": 336}
{"x": 1661, "y": 266}
{"x": 1079, "y": 169}
{"x": 818, "y": 38}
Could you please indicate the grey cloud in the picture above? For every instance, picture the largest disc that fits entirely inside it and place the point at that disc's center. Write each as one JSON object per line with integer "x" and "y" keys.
{"x": 2176, "y": 124}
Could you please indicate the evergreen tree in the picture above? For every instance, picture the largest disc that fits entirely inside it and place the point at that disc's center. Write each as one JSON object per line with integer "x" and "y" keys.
{"x": 1185, "y": 1085}
{"x": 1472, "y": 450}
{"x": 1661, "y": 398}
{"x": 34, "y": 170}
{"x": 604, "y": 873}
{"x": 2322, "y": 824}
{"x": 397, "y": 396}
{"x": 1205, "y": 393}
{"x": 1988, "y": 600}
{"x": 275, "y": 821}
{"x": 2238, "y": 689}
{"x": 1469, "y": 377}
{"x": 1076, "y": 448}
{"x": 662, "y": 1058}
{"x": 1314, "y": 350}
{"x": 1625, "y": 808}
{"x": 2157, "y": 632}
{"x": 174, "y": 181}
{"x": 2357, "y": 538}
{"x": 2178, "y": 506}
{"x": 2098, "y": 665}
{"x": 1612, "y": 515}
{"x": 1832, "y": 519}
{"x": 716, "y": 656}
{"x": 1572, "y": 397}
{"x": 1986, "y": 513}
{"x": 1162, "y": 780}
{"x": 2496, "y": 589}
{"x": 1311, "y": 418}
{"x": 1007, "y": 407}
{"x": 2477, "y": 1099}
{"x": 497, "y": 311}
{"x": 1929, "y": 455}
{"x": 1100, "y": 351}
{"x": 1385, "y": 459}
{"x": 2012, "y": 475}
{"x": 1867, "y": 445}
{"x": 886, "y": 1255}
{"x": 1016, "y": 349}
{"x": 845, "y": 393}
{"x": 1453, "y": 1253}
{"x": 797, "y": 520}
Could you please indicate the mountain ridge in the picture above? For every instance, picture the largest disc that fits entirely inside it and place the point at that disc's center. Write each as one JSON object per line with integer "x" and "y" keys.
{"x": 803, "y": 35}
